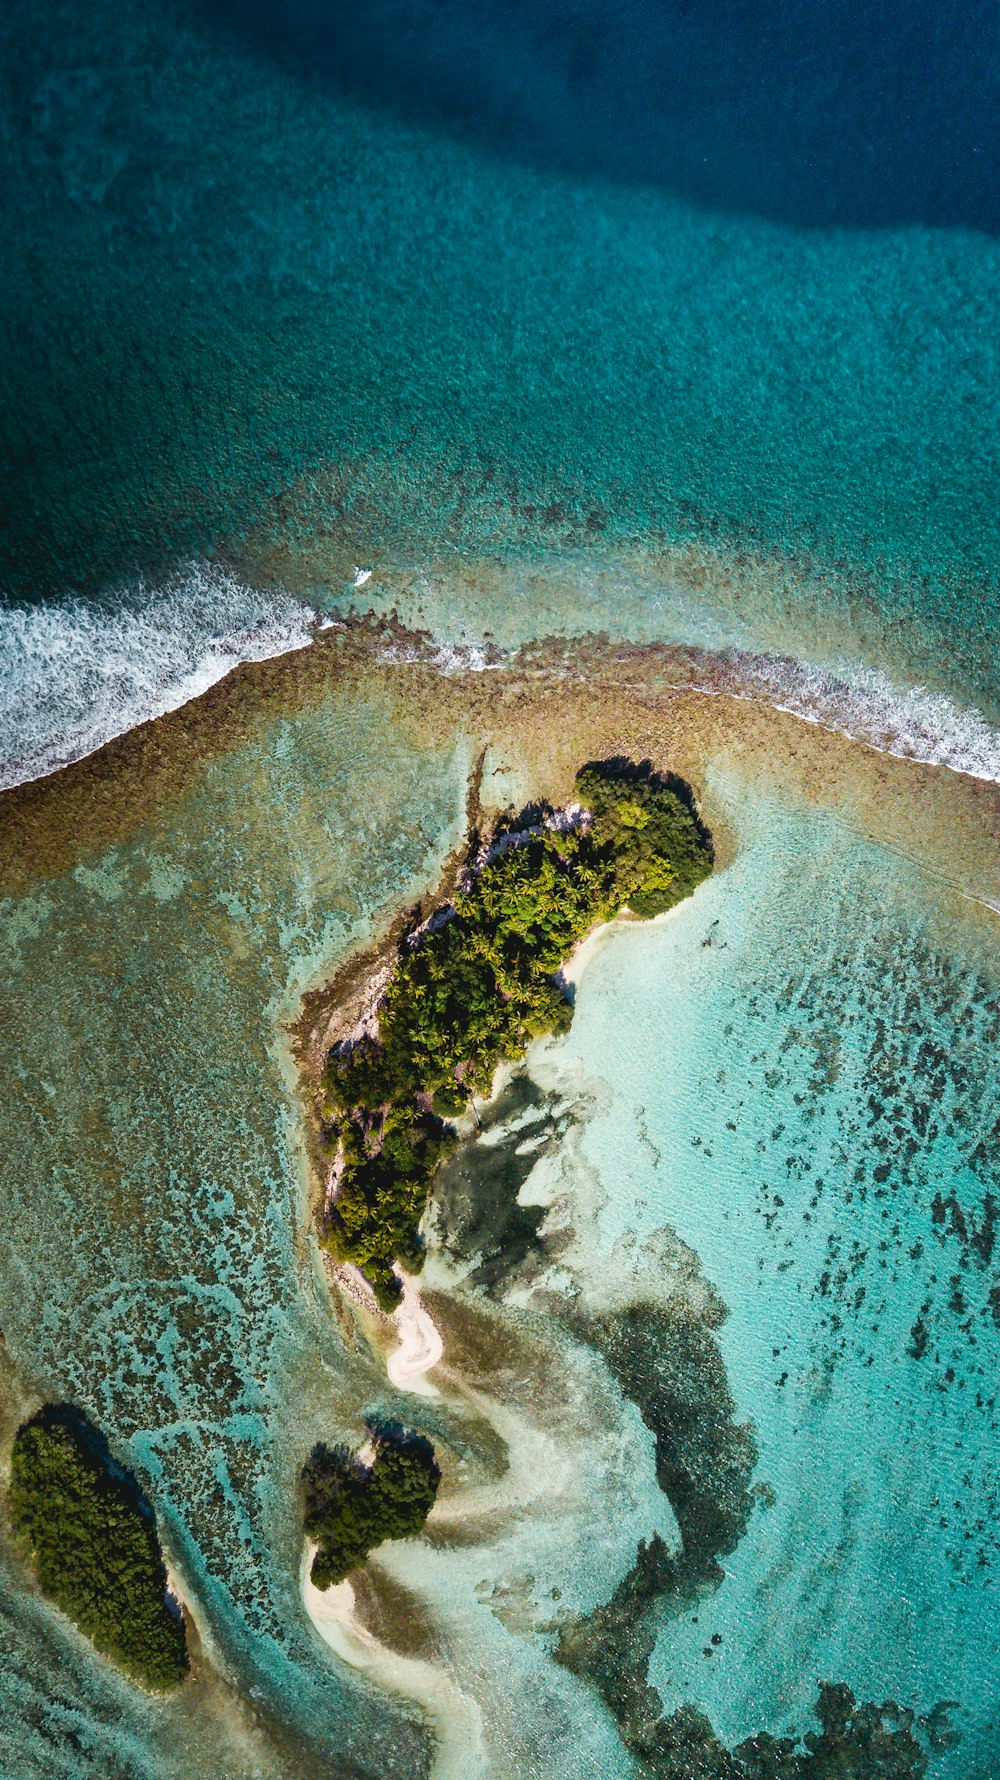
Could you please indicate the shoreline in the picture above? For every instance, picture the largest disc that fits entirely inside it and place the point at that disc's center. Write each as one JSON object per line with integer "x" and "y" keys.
{"x": 571, "y": 974}
{"x": 595, "y": 942}
{"x": 346, "y": 1019}
{"x": 419, "y": 1346}
{"x": 589, "y": 948}
{"x": 453, "y": 1717}
{"x": 560, "y": 702}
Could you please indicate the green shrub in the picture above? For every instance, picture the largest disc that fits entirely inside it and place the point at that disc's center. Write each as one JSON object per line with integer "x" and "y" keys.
{"x": 480, "y": 987}
{"x": 350, "y": 1508}
{"x": 93, "y": 1541}
{"x": 662, "y": 847}
{"x": 449, "y": 1100}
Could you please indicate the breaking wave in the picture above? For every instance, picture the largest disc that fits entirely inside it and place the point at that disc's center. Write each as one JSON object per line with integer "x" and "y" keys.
{"x": 912, "y": 723}
{"x": 73, "y": 675}
{"x": 76, "y": 674}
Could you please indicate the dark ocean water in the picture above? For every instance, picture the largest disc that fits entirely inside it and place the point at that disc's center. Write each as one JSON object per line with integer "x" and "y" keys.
{"x": 846, "y": 115}
{"x": 314, "y": 289}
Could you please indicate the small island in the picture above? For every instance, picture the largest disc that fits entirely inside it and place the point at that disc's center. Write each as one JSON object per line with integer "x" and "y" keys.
{"x": 354, "y": 1502}
{"x": 92, "y": 1539}
{"x": 472, "y": 983}
{"x": 475, "y": 982}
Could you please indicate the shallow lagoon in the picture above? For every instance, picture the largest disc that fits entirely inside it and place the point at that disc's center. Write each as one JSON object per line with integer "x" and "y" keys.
{"x": 790, "y": 1098}
{"x": 153, "y": 1195}
{"x": 153, "y": 1268}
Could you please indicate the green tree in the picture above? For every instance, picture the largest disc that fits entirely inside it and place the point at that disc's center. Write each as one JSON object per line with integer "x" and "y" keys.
{"x": 480, "y": 987}
{"x": 350, "y": 1508}
{"x": 93, "y": 1542}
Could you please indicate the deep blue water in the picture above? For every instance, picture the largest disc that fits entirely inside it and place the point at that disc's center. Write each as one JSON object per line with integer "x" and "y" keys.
{"x": 448, "y": 286}
{"x": 848, "y": 114}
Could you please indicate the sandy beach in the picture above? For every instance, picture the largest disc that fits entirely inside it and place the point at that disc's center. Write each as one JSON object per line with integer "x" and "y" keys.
{"x": 593, "y": 943}
{"x": 419, "y": 1347}
{"x": 571, "y": 974}
{"x": 453, "y": 1718}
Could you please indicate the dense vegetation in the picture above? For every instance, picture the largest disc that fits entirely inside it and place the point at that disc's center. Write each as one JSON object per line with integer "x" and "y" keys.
{"x": 94, "y": 1545}
{"x": 478, "y": 987}
{"x": 350, "y": 1508}
{"x": 854, "y": 1742}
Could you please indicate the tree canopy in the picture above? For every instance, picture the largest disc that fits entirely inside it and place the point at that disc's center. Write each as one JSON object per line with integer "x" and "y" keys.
{"x": 93, "y": 1541}
{"x": 478, "y": 987}
{"x": 351, "y": 1507}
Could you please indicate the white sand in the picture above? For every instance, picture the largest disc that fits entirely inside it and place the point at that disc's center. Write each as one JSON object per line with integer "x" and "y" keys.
{"x": 419, "y": 1347}
{"x": 584, "y": 953}
{"x": 454, "y": 1718}
{"x": 175, "y": 1598}
{"x": 593, "y": 944}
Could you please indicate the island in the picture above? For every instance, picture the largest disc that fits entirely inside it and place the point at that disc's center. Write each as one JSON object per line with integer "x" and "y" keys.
{"x": 91, "y": 1537}
{"x": 353, "y": 1502}
{"x": 475, "y": 982}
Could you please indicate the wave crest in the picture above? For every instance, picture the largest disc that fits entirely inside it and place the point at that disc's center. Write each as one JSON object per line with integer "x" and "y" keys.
{"x": 77, "y": 674}
{"x": 912, "y": 723}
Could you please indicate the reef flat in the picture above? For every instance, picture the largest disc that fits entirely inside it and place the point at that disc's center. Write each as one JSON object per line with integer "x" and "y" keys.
{"x": 198, "y": 881}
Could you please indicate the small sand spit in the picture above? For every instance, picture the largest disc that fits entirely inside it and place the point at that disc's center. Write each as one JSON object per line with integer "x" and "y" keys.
{"x": 419, "y": 1347}
{"x": 454, "y": 1718}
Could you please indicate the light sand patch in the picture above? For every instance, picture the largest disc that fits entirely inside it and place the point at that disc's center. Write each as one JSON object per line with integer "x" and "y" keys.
{"x": 454, "y": 1718}
{"x": 584, "y": 953}
{"x": 593, "y": 943}
{"x": 419, "y": 1346}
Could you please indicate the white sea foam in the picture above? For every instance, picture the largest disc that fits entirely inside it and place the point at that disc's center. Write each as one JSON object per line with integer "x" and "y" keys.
{"x": 75, "y": 674}
{"x": 472, "y": 658}
{"x": 450, "y": 659}
{"x": 911, "y": 722}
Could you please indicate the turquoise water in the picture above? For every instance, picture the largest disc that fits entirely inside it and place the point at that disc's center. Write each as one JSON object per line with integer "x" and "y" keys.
{"x": 153, "y": 1198}
{"x": 809, "y": 1102}
{"x": 274, "y": 312}
{"x": 671, "y": 323}
{"x": 155, "y": 1272}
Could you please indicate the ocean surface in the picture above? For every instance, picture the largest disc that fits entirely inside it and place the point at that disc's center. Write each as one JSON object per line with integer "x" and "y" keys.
{"x": 776, "y": 1150}
{"x": 808, "y": 1101}
{"x": 666, "y": 324}
{"x": 557, "y": 318}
